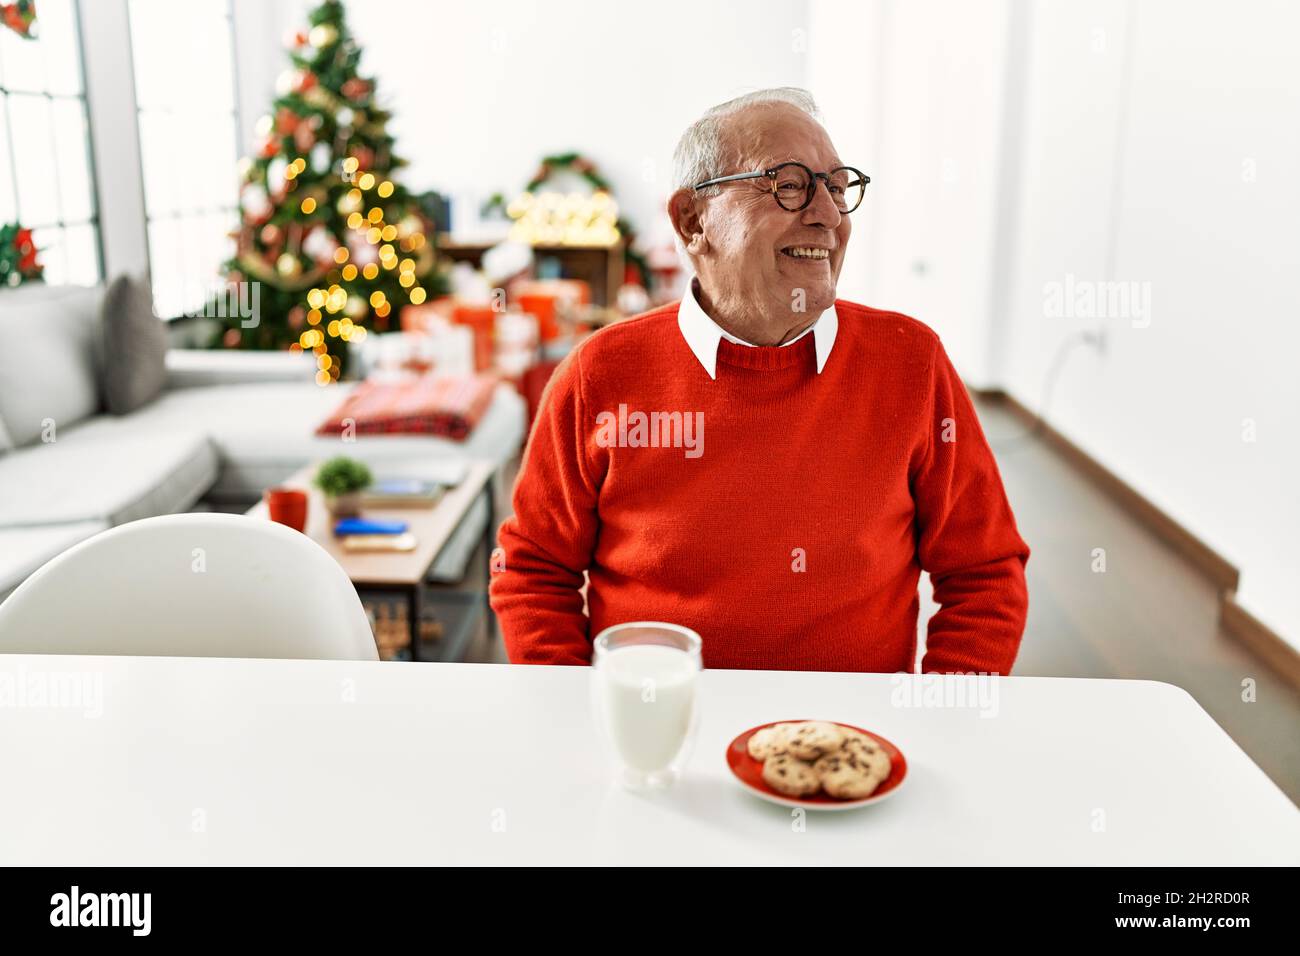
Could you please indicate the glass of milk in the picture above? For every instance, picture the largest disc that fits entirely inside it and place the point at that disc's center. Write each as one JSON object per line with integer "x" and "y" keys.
{"x": 643, "y": 695}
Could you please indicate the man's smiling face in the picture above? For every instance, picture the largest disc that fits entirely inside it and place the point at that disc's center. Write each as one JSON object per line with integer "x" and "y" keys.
{"x": 756, "y": 258}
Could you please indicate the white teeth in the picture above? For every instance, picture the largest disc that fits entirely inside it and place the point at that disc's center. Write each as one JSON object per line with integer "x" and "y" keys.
{"x": 806, "y": 252}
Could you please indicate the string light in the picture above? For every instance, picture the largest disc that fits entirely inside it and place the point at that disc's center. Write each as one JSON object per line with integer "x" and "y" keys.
{"x": 334, "y": 312}
{"x": 558, "y": 219}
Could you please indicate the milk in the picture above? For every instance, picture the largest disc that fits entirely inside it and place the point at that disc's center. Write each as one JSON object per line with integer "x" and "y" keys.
{"x": 647, "y": 692}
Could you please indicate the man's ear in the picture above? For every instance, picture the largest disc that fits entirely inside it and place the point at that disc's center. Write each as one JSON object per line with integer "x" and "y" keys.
{"x": 683, "y": 210}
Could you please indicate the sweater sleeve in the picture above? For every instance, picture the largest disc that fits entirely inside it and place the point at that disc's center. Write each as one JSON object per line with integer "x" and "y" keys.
{"x": 547, "y": 544}
{"x": 967, "y": 538}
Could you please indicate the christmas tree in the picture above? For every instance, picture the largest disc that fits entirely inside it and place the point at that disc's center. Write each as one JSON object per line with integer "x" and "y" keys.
{"x": 335, "y": 242}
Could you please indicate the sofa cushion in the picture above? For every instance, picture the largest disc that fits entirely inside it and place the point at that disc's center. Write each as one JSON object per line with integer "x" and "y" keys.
{"x": 48, "y": 361}
{"x": 134, "y": 346}
{"x": 265, "y": 432}
{"x": 110, "y": 474}
{"x": 24, "y": 550}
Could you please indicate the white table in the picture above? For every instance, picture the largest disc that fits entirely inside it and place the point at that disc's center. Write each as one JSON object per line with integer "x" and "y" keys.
{"x": 280, "y": 762}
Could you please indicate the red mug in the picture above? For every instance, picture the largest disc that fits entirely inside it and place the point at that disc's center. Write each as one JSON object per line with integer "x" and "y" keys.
{"x": 287, "y": 506}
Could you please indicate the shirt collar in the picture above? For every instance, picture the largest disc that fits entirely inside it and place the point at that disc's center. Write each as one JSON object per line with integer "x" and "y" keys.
{"x": 702, "y": 334}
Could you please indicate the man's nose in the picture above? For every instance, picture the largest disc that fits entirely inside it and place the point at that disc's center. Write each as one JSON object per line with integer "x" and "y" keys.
{"x": 822, "y": 211}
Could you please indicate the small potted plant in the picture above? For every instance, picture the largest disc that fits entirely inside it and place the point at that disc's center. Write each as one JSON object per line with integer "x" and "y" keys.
{"x": 341, "y": 479}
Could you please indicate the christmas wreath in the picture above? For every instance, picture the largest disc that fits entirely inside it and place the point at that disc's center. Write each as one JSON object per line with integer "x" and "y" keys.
{"x": 582, "y": 166}
{"x": 19, "y": 17}
{"x": 18, "y": 256}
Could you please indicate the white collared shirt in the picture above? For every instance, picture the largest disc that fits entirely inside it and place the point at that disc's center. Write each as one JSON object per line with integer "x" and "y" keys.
{"x": 702, "y": 334}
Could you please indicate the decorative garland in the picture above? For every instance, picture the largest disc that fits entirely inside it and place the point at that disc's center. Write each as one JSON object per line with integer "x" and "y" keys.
{"x": 20, "y": 17}
{"x": 570, "y": 162}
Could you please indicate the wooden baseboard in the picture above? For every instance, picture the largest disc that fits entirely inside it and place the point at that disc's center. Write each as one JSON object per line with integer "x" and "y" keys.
{"x": 1263, "y": 641}
{"x": 1266, "y": 643}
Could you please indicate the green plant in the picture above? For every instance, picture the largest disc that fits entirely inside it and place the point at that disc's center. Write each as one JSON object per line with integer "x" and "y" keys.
{"x": 341, "y": 476}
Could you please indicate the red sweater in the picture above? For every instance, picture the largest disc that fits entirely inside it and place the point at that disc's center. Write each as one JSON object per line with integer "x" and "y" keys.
{"x": 796, "y": 538}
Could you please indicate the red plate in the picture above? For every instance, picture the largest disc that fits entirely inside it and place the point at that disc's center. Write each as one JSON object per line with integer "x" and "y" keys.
{"x": 750, "y": 772}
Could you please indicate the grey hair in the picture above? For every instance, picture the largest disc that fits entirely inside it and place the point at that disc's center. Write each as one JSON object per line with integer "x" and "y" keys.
{"x": 700, "y": 153}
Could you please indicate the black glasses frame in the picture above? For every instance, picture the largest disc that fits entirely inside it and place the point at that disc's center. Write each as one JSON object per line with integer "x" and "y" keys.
{"x": 772, "y": 173}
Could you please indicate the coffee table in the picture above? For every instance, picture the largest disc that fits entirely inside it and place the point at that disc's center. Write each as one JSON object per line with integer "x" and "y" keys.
{"x": 404, "y": 572}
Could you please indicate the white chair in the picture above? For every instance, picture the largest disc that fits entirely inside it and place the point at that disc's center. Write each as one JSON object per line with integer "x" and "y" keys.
{"x": 190, "y": 585}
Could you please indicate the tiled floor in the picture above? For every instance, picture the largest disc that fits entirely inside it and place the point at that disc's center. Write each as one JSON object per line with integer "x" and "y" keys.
{"x": 1150, "y": 616}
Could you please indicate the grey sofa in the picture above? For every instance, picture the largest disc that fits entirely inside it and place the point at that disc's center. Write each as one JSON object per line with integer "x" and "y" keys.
{"x": 226, "y": 426}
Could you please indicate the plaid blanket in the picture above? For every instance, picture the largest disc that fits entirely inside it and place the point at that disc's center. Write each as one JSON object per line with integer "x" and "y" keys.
{"x": 440, "y": 405}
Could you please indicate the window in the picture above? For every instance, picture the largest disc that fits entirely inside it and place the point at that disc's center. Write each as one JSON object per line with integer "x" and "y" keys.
{"x": 183, "y": 56}
{"x": 45, "y": 168}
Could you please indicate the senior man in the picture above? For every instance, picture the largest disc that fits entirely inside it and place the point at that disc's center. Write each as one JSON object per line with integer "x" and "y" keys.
{"x": 761, "y": 462}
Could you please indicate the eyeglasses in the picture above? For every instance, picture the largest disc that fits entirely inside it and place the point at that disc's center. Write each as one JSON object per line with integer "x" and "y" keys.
{"x": 794, "y": 185}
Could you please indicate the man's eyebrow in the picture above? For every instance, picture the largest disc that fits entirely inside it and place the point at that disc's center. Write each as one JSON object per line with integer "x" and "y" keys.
{"x": 837, "y": 162}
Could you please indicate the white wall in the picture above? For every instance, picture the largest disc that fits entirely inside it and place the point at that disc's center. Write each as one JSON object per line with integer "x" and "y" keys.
{"x": 940, "y": 89}
{"x": 481, "y": 91}
{"x": 1162, "y": 147}
{"x": 845, "y": 78}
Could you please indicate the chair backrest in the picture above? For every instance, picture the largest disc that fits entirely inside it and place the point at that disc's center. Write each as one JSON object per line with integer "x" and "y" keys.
{"x": 190, "y": 585}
